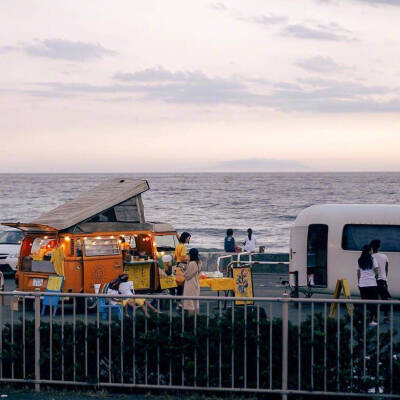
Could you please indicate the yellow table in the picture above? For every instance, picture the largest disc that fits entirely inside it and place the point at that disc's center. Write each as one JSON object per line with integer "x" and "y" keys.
{"x": 217, "y": 284}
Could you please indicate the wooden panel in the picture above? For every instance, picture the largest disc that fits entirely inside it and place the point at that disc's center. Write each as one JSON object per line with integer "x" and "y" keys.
{"x": 92, "y": 202}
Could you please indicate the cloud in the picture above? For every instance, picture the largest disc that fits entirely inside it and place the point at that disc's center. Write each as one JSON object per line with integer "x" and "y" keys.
{"x": 370, "y": 2}
{"x": 381, "y": 2}
{"x": 319, "y": 64}
{"x": 330, "y": 32}
{"x": 264, "y": 20}
{"x": 160, "y": 74}
{"x": 196, "y": 88}
{"x": 260, "y": 164}
{"x": 60, "y": 49}
{"x": 219, "y": 6}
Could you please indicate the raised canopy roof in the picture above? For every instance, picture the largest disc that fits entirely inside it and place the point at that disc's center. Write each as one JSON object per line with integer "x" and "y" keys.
{"x": 120, "y": 195}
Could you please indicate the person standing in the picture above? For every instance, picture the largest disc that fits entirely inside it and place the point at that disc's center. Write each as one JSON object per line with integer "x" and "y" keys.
{"x": 192, "y": 284}
{"x": 229, "y": 242}
{"x": 250, "y": 241}
{"x": 181, "y": 258}
{"x": 367, "y": 273}
{"x": 383, "y": 265}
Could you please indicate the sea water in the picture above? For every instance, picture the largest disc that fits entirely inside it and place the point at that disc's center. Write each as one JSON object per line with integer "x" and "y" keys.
{"x": 207, "y": 204}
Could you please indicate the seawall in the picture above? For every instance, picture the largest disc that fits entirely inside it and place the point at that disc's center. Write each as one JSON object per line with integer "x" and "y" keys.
{"x": 271, "y": 262}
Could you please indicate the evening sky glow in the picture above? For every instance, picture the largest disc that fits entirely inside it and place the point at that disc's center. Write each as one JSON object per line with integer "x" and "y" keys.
{"x": 131, "y": 86}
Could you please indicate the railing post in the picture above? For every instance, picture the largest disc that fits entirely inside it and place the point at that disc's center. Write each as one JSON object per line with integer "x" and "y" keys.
{"x": 285, "y": 325}
{"x": 37, "y": 341}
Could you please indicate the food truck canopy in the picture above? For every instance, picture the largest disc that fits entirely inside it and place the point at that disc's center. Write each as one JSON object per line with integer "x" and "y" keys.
{"x": 155, "y": 227}
{"x": 117, "y": 200}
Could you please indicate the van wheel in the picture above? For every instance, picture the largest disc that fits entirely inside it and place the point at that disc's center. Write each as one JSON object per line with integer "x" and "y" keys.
{"x": 91, "y": 303}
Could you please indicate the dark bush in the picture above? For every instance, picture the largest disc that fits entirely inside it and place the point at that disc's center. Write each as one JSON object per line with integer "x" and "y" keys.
{"x": 205, "y": 351}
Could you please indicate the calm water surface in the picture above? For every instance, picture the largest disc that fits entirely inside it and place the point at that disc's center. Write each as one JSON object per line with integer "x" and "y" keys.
{"x": 207, "y": 204}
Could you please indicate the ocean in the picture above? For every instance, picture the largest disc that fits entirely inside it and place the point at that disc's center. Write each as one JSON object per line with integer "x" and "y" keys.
{"x": 206, "y": 204}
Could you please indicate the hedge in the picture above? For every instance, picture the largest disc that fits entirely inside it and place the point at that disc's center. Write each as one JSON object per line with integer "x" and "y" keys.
{"x": 161, "y": 338}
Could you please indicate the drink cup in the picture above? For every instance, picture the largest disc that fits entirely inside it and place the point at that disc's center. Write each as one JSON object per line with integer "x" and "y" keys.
{"x": 97, "y": 287}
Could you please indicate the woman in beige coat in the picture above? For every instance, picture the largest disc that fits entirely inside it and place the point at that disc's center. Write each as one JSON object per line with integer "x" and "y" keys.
{"x": 192, "y": 285}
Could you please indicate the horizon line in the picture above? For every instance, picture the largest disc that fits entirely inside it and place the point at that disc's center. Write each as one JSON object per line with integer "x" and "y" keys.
{"x": 201, "y": 172}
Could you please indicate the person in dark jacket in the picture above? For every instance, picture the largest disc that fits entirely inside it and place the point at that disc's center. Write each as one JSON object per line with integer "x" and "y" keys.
{"x": 229, "y": 243}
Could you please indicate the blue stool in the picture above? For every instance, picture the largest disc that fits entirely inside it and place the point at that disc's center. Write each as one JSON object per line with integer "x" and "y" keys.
{"x": 105, "y": 308}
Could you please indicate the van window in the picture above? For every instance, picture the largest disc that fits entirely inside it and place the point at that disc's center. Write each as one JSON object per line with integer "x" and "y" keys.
{"x": 41, "y": 248}
{"x": 356, "y": 236}
{"x": 166, "y": 242}
{"x": 317, "y": 254}
{"x": 101, "y": 246}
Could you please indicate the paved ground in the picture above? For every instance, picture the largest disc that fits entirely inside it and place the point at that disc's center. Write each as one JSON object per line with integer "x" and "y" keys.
{"x": 12, "y": 394}
{"x": 265, "y": 285}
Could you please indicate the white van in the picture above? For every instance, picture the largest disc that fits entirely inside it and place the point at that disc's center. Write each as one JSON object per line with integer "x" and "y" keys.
{"x": 10, "y": 245}
{"x": 326, "y": 242}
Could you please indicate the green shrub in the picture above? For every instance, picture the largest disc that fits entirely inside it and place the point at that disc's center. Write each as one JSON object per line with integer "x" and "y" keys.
{"x": 165, "y": 351}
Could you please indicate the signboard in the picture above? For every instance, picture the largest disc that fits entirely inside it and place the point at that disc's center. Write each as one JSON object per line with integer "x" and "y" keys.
{"x": 140, "y": 275}
{"x": 341, "y": 284}
{"x": 168, "y": 282}
{"x": 54, "y": 283}
{"x": 243, "y": 282}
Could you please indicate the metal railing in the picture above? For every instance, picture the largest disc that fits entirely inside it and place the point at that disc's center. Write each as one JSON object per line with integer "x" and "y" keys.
{"x": 236, "y": 259}
{"x": 275, "y": 345}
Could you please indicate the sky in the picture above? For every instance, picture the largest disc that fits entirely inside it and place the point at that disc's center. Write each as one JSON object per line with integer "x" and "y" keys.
{"x": 192, "y": 86}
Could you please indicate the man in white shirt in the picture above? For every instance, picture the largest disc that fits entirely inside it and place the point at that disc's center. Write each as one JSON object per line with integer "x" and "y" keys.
{"x": 383, "y": 269}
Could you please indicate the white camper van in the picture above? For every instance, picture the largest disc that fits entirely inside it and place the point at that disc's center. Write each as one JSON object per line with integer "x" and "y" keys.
{"x": 326, "y": 241}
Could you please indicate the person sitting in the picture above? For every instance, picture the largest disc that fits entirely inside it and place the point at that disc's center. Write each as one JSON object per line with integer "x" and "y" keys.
{"x": 126, "y": 288}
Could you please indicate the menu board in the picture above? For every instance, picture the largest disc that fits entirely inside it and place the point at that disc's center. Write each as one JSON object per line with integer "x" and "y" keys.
{"x": 243, "y": 282}
{"x": 140, "y": 275}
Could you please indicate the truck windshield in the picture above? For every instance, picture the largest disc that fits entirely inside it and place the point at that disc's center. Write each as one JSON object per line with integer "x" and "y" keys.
{"x": 11, "y": 237}
{"x": 166, "y": 242}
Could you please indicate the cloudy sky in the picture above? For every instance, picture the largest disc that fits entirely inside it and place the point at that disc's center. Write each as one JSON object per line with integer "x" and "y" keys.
{"x": 133, "y": 86}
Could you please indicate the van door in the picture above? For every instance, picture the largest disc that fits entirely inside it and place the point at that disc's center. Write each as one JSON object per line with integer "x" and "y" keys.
{"x": 102, "y": 261}
{"x": 298, "y": 253}
{"x": 317, "y": 254}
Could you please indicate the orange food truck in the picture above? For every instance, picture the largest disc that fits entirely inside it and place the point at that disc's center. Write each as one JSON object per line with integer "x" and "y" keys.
{"x": 93, "y": 239}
